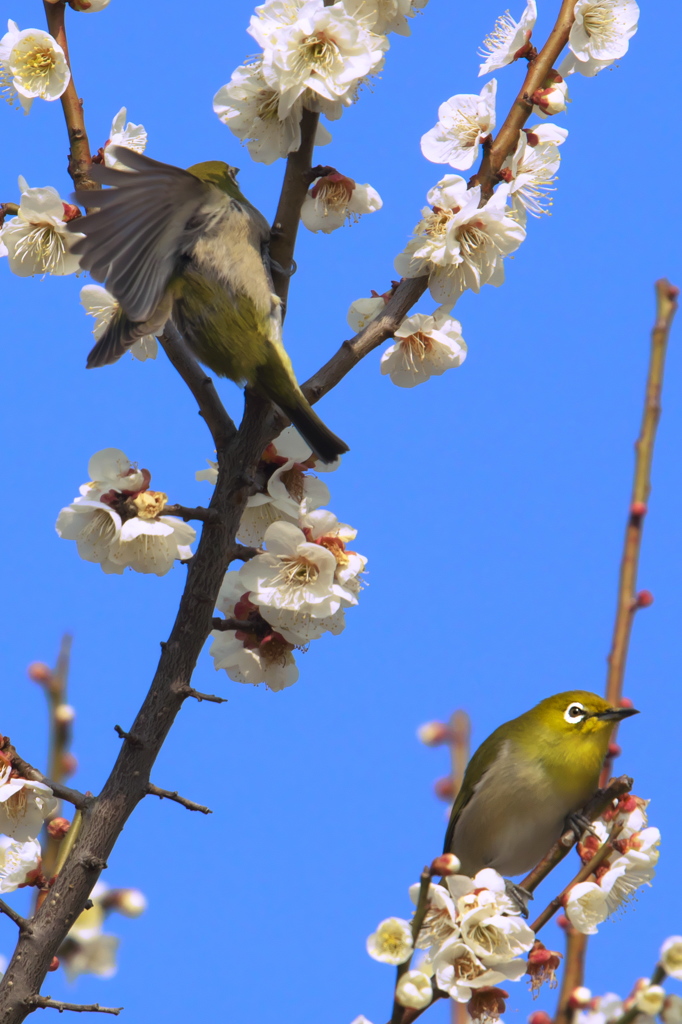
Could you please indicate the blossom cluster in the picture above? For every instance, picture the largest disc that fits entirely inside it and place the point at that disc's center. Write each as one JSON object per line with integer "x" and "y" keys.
{"x": 649, "y": 999}
{"x": 632, "y": 864}
{"x": 475, "y": 939}
{"x": 299, "y": 587}
{"x": 24, "y": 806}
{"x": 87, "y": 948}
{"x": 118, "y": 522}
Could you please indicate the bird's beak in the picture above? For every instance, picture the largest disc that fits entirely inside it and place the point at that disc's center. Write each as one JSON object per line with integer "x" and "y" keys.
{"x": 616, "y": 714}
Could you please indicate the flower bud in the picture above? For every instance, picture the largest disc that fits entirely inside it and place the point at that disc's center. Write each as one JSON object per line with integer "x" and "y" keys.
{"x": 414, "y": 990}
{"x": 580, "y": 998}
{"x": 638, "y": 508}
{"x": 446, "y": 864}
{"x": 542, "y": 966}
{"x": 58, "y": 827}
{"x": 650, "y": 999}
{"x": 39, "y": 672}
{"x": 433, "y": 734}
{"x": 671, "y": 956}
{"x": 644, "y": 599}
{"x": 552, "y": 96}
{"x": 64, "y": 714}
{"x": 69, "y": 764}
{"x": 130, "y": 902}
{"x": 54, "y": 962}
{"x": 444, "y": 788}
{"x": 539, "y": 1017}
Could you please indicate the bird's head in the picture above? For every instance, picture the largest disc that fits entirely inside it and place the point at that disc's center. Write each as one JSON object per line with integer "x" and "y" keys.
{"x": 579, "y": 713}
{"x": 217, "y": 172}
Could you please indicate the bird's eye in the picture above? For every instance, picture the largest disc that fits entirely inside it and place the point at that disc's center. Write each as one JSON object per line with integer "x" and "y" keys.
{"x": 574, "y": 713}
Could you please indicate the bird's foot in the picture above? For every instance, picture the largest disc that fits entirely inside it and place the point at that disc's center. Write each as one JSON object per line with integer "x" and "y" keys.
{"x": 518, "y": 895}
{"x": 579, "y": 824}
{"x": 278, "y": 268}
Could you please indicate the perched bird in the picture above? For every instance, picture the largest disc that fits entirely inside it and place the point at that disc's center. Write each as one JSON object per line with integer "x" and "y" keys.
{"x": 528, "y": 780}
{"x": 169, "y": 243}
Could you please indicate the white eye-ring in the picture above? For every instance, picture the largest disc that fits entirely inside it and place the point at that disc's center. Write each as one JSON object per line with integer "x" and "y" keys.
{"x": 574, "y": 713}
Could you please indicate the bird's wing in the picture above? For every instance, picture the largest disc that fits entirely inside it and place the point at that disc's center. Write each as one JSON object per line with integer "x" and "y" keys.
{"x": 479, "y": 764}
{"x": 141, "y": 226}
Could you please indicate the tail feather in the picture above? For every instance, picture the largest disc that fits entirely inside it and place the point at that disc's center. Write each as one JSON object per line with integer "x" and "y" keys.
{"x": 115, "y": 341}
{"x": 324, "y": 443}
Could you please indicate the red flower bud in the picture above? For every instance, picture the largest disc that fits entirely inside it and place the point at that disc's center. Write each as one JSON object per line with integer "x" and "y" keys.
{"x": 54, "y": 964}
{"x": 446, "y": 864}
{"x": 39, "y": 672}
{"x": 645, "y": 599}
{"x": 58, "y": 827}
{"x": 444, "y": 788}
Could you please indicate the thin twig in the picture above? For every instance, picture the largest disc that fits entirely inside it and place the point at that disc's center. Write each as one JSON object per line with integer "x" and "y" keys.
{"x": 202, "y": 515}
{"x": 244, "y": 553}
{"x": 586, "y": 870}
{"x": 45, "y": 1003}
{"x": 189, "y": 691}
{"x": 615, "y": 789}
{"x": 80, "y": 160}
{"x": 167, "y": 794}
{"x": 417, "y": 922}
{"x": 200, "y": 384}
{"x": 27, "y": 771}
{"x": 628, "y": 604}
{"x": 573, "y": 974}
{"x": 19, "y": 921}
{"x": 59, "y": 743}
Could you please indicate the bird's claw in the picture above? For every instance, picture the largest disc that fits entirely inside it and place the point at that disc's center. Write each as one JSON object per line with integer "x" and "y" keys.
{"x": 578, "y": 824}
{"x": 518, "y": 895}
{"x": 280, "y": 269}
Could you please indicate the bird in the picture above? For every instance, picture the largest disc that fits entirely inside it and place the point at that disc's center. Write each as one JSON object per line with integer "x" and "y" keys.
{"x": 186, "y": 245}
{"x": 527, "y": 782}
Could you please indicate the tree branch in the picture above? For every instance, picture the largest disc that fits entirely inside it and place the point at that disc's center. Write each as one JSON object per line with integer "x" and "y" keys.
{"x": 507, "y": 138}
{"x": 586, "y": 870}
{"x": 188, "y": 691}
{"x": 45, "y": 1002}
{"x": 27, "y": 771}
{"x": 288, "y": 216}
{"x": 166, "y": 794}
{"x": 628, "y": 603}
{"x": 573, "y": 975}
{"x": 19, "y": 921}
{"x": 202, "y": 515}
{"x": 200, "y": 384}
{"x": 80, "y": 160}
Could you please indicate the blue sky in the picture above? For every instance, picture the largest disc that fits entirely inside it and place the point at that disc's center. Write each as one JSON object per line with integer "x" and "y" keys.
{"x": 490, "y": 502}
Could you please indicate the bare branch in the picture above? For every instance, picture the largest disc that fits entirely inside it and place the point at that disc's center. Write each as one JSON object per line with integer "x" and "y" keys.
{"x": 202, "y": 515}
{"x": 19, "y": 921}
{"x": 80, "y": 160}
{"x": 45, "y": 1003}
{"x": 573, "y": 975}
{"x": 167, "y": 794}
{"x": 628, "y": 603}
{"x": 243, "y": 553}
{"x": 188, "y": 691}
{"x": 134, "y": 740}
{"x": 27, "y": 771}
{"x": 241, "y": 624}
{"x": 201, "y": 385}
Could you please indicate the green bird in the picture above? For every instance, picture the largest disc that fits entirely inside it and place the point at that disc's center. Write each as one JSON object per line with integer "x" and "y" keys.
{"x": 186, "y": 245}
{"x": 527, "y": 781}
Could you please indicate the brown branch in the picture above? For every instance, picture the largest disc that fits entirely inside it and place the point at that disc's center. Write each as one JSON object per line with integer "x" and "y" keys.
{"x": 80, "y": 160}
{"x": 627, "y": 604}
{"x": 460, "y": 736}
{"x": 7, "y": 210}
{"x": 237, "y": 624}
{"x": 27, "y": 771}
{"x": 288, "y": 216}
{"x": 59, "y": 742}
{"x": 202, "y": 515}
{"x": 574, "y": 973}
{"x": 507, "y": 138}
{"x": 9, "y": 912}
{"x": 45, "y": 1003}
{"x": 188, "y": 691}
{"x": 200, "y": 384}
{"x": 599, "y": 802}
{"x": 244, "y": 553}
{"x": 166, "y": 794}
{"x": 586, "y": 870}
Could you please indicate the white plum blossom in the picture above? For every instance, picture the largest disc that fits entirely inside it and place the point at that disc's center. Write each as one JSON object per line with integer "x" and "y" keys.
{"x": 17, "y": 860}
{"x": 459, "y": 971}
{"x": 87, "y": 949}
{"x": 464, "y": 121}
{"x": 391, "y": 943}
{"x": 294, "y": 573}
{"x": 249, "y": 108}
{"x": 552, "y": 98}
{"x": 632, "y": 870}
{"x": 509, "y": 39}
{"x": 132, "y": 136}
{"x": 533, "y": 167}
{"x": 316, "y": 48}
{"x": 670, "y": 956}
{"x": 414, "y": 990}
{"x": 457, "y": 244}
{"x": 602, "y": 30}
{"x": 425, "y": 346}
{"x": 493, "y": 936}
{"x": 32, "y": 66}
{"x": 440, "y": 922}
{"x": 117, "y": 521}
{"x": 384, "y": 16}
{"x": 24, "y": 805}
{"x": 650, "y": 999}
{"x": 586, "y": 907}
{"x": 363, "y": 311}
{"x": 37, "y": 239}
{"x": 98, "y": 303}
{"x": 335, "y": 199}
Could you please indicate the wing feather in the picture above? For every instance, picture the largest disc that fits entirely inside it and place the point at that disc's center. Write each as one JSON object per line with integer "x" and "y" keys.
{"x": 152, "y": 214}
